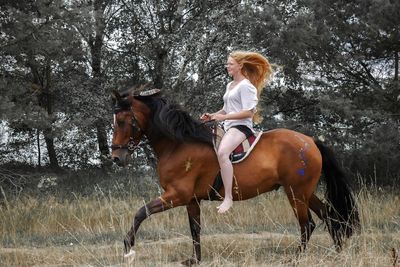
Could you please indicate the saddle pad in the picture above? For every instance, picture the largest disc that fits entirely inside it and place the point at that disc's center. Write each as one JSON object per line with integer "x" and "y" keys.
{"x": 243, "y": 150}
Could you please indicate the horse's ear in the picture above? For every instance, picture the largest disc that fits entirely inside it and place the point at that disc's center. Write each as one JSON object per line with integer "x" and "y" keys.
{"x": 115, "y": 95}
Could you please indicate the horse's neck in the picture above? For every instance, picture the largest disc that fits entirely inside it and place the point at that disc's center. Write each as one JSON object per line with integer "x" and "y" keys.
{"x": 162, "y": 146}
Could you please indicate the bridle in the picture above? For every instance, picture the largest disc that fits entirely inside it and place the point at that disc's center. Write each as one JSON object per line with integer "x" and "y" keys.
{"x": 131, "y": 146}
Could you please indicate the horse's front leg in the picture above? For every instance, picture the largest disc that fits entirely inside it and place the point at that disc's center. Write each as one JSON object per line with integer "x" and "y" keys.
{"x": 154, "y": 206}
{"x": 193, "y": 210}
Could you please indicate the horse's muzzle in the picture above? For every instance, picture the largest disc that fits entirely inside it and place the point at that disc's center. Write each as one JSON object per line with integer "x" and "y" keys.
{"x": 121, "y": 159}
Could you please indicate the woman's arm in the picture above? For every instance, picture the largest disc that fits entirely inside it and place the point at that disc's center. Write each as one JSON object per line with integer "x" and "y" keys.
{"x": 209, "y": 116}
{"x": 233, "y": 116}
{"x": 221, "y": 111}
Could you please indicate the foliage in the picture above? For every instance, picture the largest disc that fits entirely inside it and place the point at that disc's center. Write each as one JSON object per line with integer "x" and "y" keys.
{"x": 336, "y": 71}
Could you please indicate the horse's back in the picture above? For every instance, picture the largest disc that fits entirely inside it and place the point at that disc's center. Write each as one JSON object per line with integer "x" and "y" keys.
{"x": 281, "y": 157}
{"x": 297, "y": 156}
{"x": 282, "y": 134}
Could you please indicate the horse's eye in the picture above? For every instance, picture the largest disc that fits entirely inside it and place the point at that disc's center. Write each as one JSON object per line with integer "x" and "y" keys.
{"x": 121, "y": 123}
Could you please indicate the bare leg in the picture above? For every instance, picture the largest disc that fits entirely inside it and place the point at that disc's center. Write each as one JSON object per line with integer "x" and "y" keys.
{"x": 232, "y": 138}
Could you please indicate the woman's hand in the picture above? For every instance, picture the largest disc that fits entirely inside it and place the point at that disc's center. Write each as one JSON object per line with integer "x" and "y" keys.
{"x": 205, "y": 117}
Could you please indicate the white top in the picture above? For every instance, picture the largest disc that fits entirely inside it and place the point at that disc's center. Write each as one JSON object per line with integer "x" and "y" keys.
{"x": 241, "y": 97}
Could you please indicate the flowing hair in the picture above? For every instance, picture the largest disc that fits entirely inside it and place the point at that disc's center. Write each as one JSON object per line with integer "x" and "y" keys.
{"x": 257, "y": 69}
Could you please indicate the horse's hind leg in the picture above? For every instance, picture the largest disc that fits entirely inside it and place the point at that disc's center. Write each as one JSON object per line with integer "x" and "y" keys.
{"x": 299, "y": 203}
{"x": 311, "y": 224}
{"x": 193, "y": 210}
{"x": 317, "y": 206}
{"x": 321, "y": 209}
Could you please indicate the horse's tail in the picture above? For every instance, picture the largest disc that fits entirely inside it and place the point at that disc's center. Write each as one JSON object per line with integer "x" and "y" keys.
{"x": 342, "y": 214}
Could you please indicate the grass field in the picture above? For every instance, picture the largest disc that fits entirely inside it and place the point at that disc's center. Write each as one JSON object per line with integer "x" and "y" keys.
{"x": 87, "y": 231}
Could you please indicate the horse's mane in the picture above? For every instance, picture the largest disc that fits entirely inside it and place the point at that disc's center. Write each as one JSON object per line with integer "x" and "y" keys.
{"x": 170, "y": 120}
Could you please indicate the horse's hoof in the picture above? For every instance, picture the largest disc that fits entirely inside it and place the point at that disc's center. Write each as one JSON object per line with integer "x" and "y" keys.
{"x": 190, "y": 262}
{"x": 131, "y": 254}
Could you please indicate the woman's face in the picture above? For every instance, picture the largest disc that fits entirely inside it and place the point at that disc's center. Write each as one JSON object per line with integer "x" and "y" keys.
{"x": 233, "y": 67}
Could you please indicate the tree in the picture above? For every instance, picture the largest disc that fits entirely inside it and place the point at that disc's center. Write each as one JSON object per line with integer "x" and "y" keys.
{"x": 347, "y": 53}
{"x": 172, "y": 40}
{"x": 31, "y": 43}
{"x": 92, "y": 20}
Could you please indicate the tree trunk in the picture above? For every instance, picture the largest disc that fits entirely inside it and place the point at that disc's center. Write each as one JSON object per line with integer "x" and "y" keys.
{"x": 48, "y": 132}
{"x": 45, "y": 99}
{"x": 161, "y": 56}
{"x": 102, "y": 141}
{"x": 38, "y": 147}
{"x": 396, "y": 66}
{"x": 96, "y": 44}
{"x": 48, "y": 137}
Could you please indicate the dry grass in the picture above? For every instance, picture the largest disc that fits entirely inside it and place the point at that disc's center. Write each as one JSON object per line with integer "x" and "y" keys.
{"x": 87, "y": 231}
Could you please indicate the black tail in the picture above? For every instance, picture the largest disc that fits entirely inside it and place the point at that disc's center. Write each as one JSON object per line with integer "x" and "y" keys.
{"x": 342, "y": 214}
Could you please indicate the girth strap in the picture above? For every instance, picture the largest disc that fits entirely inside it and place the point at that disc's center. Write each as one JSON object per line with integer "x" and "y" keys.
{"x": 217, "y": 185}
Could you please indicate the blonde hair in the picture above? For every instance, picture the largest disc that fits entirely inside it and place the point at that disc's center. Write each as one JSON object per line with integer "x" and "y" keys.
{"x": 257, "y": 69}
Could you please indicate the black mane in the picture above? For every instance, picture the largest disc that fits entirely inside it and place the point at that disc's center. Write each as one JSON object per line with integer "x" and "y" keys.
{"x": 170, "y": 120}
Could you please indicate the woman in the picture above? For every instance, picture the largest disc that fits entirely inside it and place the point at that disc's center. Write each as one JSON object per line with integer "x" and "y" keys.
{"x": 250, "y": 72}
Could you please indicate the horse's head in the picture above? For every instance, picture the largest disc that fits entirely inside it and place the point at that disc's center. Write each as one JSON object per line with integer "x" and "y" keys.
{"x": 130, "y": 120}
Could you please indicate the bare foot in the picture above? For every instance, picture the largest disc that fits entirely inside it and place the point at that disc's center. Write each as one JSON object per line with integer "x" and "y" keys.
{"x": 225, "y": 206}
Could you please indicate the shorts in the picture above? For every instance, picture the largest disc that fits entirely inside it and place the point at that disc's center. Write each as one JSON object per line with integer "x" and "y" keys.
{"x": 244, "y": 129}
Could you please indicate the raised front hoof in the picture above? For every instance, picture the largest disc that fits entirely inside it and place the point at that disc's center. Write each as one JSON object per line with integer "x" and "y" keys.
{"x": 190, "y": 262}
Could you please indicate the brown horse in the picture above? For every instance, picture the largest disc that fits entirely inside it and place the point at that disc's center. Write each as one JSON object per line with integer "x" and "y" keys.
{"x": 187, "y": 167}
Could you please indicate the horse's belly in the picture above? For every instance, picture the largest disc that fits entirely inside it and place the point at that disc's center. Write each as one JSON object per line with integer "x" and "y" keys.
{"x": 252, "y": 182}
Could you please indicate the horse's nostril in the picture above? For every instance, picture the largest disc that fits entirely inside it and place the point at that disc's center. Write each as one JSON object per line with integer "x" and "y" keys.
{"x": 116, "y": 159}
